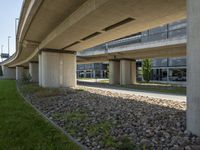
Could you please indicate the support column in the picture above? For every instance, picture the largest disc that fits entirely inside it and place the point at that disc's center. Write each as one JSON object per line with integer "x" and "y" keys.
{"x": 101, "y": 74}
{"x": 85, "y": 74}
{"x": 40, "y": 69}
{"x": 114, "y": 72}
{"x": 9, "y": 73}
{"x": 193, "y": 67}
{"x": 94, "y": 74}
{"x": 34, "y": 71}
{"x": 19, "y": 72}
{"x": 58, "y": 68}
{"x": 127, "y": 71}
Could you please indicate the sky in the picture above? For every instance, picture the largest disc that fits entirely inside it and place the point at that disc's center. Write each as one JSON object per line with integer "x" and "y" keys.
{"x": 9, "y": 10}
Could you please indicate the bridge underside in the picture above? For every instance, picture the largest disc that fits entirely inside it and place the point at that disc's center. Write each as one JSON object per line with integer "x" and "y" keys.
{"x": 156, "y": 52}
{"x": 81, "y": 24}
{"x": 89, "y": 23}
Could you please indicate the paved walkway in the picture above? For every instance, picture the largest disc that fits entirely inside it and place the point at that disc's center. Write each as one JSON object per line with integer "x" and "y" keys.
{"x": 150, "y": 94}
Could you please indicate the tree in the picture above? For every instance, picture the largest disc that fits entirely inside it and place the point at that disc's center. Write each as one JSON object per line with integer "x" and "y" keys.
{"x": 146, "y": 69}
{"x": 1, "y": 72}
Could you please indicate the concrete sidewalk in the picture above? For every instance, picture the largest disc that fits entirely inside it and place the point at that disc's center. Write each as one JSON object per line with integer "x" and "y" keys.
{"x": 111, "y": 88}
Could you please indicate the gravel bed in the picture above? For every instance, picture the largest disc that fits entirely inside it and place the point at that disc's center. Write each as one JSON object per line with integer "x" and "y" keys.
{"x": 103, "y": 120}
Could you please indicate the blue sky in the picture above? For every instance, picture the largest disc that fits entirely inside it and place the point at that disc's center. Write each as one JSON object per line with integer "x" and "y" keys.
{"x": 9, "y": 10}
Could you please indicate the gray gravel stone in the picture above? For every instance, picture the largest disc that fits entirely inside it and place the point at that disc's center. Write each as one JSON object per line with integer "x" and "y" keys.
{"x": 99, "y": 118}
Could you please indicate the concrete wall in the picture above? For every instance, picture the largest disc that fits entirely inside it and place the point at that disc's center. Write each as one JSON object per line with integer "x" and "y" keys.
{"x": 193, "y": 70}
{"x": 34, "y": 71}
{"x": 8, "y": 73}
{"x": 57, "y": 69}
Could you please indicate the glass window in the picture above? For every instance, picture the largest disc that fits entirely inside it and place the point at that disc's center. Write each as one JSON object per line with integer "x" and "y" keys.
{"x": 80, "y": 67}
{"x": 161, "y": 62}
{"x": 176, "y": 33}
{"x": 88, "y": 66}
{"x": 159, "y": 74}
{"x": 178, "y": 25}
{"x": 180, "y": 61}
{"x": 158, "y": 30}
{"x": 97, "y": 66}
{"x": 177, "y": 74}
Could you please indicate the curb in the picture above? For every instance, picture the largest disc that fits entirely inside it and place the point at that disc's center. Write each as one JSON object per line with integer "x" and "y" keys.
{"x": 50, "y": 121}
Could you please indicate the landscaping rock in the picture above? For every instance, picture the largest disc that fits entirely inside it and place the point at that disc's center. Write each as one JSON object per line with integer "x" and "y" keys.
{"x": 101, "y": 119}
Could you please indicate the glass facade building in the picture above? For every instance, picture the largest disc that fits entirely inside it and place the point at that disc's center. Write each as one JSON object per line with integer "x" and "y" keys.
{"x": 163, "y": 69}
{"x": 96, "y": 70}
{"x": 169, "y": 69}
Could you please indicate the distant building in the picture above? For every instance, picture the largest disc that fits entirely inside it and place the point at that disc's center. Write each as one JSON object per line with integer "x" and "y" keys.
{"x": 96, "y": 70}
{"x": 167, "y": 70}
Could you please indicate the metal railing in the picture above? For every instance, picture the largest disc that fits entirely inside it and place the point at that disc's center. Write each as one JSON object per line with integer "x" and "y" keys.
{"x": 142, "y": 38}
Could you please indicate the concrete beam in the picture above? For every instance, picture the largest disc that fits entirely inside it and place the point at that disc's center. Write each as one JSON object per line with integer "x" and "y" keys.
{"x": 58, "y": 68}
{"x": 156, "y": 52}
{"x": 193, "y": 68}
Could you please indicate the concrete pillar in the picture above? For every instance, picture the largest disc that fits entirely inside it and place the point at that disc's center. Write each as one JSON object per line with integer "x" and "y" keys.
{"x": 114, "y": 72}
{"x": 91, "y": 75}
{"x": 127, "y": 72}
{"x": 34, "y": 71}
{"x": 94, "y": 74}
{"x": 19, "y": 72}
{"x": 77, "y": 74}
{"x": 8, "y": 73}
{"x": 40, "y": 69}
{"x": 58, "y": 68}
{"x": 101, "y": 74}
{"x": 85, "y": 74}
{"x": 193, "y": 67}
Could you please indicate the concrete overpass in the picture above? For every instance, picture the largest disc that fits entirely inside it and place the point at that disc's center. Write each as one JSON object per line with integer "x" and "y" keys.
{"x": 169, "y": 47}
{"x": 51, "y": 32}
{"x": 134, "y": 47}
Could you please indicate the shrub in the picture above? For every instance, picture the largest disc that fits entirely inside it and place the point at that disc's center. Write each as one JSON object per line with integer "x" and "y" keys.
{"x": 1, "y": 72}
{"x": 126, "y": 144}
{"x": 26, "y": 78}
{"x": 146, "y": 69}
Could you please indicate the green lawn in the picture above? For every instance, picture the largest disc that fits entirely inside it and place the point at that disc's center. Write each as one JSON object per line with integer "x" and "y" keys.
{"x": 159, "y": 88}
{"x": 22, "y": 128}
{"x": 151, "y": 87}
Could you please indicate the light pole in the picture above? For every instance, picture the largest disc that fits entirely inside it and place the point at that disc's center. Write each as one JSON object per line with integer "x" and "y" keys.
{"x": 9, "y": 45}
{"x": 16, "y": 25}
{"x": 1, "y": 52}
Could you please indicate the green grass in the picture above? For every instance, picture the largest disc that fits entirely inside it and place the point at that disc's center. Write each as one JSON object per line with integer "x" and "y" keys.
{"x": 104, "y": 81}
{"x": 102, "y": 128}
{"x": 39, "y": 91}
{"x": 126, "y": 144}
{"x": 75, "y": 116}
{"x": 22, "y": 128}
{"x": 160, "y": 89}
{"x": 152, "y": 87}
{"x": 84, "y": 78}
